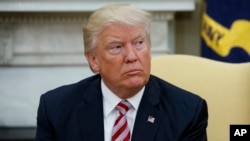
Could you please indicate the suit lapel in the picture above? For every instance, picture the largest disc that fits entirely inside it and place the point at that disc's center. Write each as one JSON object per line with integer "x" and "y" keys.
{"x": 90, "y": 114}
{"x": 148, "y": 116}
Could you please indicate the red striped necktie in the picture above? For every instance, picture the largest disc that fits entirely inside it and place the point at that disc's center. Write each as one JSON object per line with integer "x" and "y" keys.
{"x": 121, "y": 130}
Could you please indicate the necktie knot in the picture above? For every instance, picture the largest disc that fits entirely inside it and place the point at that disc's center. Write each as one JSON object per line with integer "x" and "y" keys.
{"x": 123, "y": 106}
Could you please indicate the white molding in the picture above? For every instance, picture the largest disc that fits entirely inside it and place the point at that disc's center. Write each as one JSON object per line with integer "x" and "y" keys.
{"x": 6, "y": 50}
{"x": 19, "y": 50}
{"x": 88, "y": 5}
{"x": 163, "y": 16}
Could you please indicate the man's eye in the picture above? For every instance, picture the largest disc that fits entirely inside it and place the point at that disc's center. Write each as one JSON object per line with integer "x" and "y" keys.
{"x": 115, "y": 49}
{"x": 139, "y": 44}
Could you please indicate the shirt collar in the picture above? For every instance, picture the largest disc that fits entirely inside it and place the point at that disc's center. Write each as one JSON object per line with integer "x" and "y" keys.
{"x": 110, "y": 100}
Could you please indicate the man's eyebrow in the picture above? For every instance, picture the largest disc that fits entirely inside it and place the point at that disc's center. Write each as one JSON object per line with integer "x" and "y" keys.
{"x": 113, "y": 41}
{"x": 139, "y": 35}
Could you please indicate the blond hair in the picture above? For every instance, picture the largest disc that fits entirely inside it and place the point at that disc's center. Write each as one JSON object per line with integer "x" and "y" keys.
{"x": 107, "y": 15}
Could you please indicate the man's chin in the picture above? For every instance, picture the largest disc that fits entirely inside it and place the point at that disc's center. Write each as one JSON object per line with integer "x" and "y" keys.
{"x": 136, "y": 83}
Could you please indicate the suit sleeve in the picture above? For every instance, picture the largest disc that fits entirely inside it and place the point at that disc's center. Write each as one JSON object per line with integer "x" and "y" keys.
{"x": 44, "y": 131}
{"x": 197, "y": 130}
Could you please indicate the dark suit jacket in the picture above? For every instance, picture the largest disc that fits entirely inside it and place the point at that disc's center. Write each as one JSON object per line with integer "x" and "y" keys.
{"x": 75, "y": 113}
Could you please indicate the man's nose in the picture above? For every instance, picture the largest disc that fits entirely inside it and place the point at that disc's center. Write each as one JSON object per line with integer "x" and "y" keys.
{"x": 130, "y": 54}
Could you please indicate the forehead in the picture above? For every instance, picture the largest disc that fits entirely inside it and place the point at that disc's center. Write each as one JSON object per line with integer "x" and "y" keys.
{"x": 121, "y": 31}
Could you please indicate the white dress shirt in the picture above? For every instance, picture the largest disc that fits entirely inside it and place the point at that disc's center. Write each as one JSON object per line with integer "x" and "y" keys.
{"x": 110, "y": 100}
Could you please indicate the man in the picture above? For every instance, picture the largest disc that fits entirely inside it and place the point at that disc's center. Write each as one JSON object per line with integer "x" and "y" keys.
{"x": 117, "y": 47}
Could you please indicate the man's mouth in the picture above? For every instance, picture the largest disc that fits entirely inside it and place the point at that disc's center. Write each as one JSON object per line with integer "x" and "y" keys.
{"x": 133, "y": 72}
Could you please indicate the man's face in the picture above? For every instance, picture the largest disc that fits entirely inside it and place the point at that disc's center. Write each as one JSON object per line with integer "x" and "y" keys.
{"x": 122, "y": 57}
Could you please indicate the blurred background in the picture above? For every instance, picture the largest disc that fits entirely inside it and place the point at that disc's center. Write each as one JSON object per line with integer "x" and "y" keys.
{"x": 41, "y": 48}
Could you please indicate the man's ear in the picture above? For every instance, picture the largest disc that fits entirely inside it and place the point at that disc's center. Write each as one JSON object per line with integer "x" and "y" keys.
{"x": 93, "y": 62}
